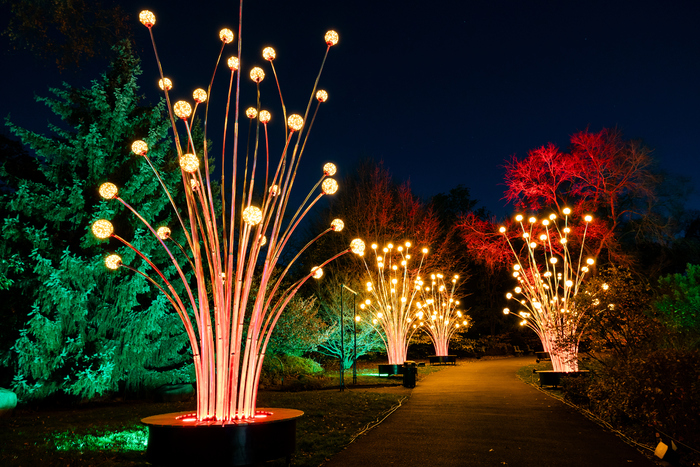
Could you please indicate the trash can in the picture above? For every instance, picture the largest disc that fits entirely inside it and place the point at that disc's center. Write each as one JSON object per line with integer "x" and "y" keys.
{"x": 409, "y": 374}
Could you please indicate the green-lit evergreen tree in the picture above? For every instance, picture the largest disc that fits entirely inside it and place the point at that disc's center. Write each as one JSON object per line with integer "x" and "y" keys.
{"x": 89, "y": 330}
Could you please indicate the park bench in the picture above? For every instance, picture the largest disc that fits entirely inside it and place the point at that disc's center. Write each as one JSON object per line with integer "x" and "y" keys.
{"x": 542, "y": 356}
{"x": 518, "y": 352}
{"x": 442, "y": 359}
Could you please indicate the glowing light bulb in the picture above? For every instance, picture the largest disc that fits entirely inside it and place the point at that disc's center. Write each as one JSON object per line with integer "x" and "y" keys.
{"x": 329, "y": 169}
{"x": 182, "y": 109}
{"x": 506, "y": 311}
{"x": 519, "y": 217}
{"x": 502, "y": 229}
{"x": 425, "y": 251}
{"x": 199, "y": 95}
{"x": 516, "y": 267}
{"x": 588, "y": 218}
{"x": 251, "y": 112}
{"x": 295, "y": 122}
{"x": 257, "y": 74}
{"x": 317, "y": 272}
{"x": 252, "y": 215}
{"x": 163, "y": 232}
{"x": 165, "y": 84}
{"x": 590, "y": 261}
{"x": 331, "y": 38}
{"x": 189, "y": 163}
{"x": 553, "y": 260}
{"x": 102, "y": 229}
{"x": 569, "y": 283}
{"x": 263, "y": 240}
{"x": 545, "y": 222}
{"x": 147, "y": 18}
{"x": 139, "y": 147}
{"x": 532, "y": 220}
{"x": 233, "y": 63}
{"x": 357, "y": 246}
{"x": 274, "y": 189}
{"x": 269, "y": 54}
{"x": 113, "y": 261}
{"x": 563, "y": 241}
{"x": 321, "y": 95}
{"x": 567, "y": 211}
{"x": 337, "y": 225}
{"x": 264, "y": 116}
{"x": 108, "y": 190}
{"x": 329, "y": 186}
{"x": 517, "y": 290}
{"x": 543, "y": 237}
{"x": 194, "y": 184}
{"x": 226, "y": 36}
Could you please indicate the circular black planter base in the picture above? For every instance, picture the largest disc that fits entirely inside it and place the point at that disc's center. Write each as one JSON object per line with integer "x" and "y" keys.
{"x": 175, "y": 439}
{"x": 554, "y": 378}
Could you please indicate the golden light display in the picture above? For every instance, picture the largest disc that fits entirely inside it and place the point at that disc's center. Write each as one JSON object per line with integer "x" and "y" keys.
{"x": 329, "y": 169}
{"x": 139, "y": 147}
{"x": 189, "y": 163}
{"x": 358, "y": 246}
{"x": 102, "y": 229}
{"x": 252, "y": 215}
{"x": 317, "y": 272}
{"x": 331, "y": 38}
{"x": 108, "y": 190}
{"x": 147, "y": 18}
{"x": 321, "y": 95}
{"x": 199, "y": 95}
{"x": 274, "y": 189}
{"x": 232, "y": 63}
{"x": 269, "y": 53}
{"x": 264, "y": 116}
{"x": 329, "y": 186}
{"x": 226, "y": 36}
{"x": 295, "y": 122}
{"x": 163, "y": 232}
{"x": 549, "y": 277}
{"x": 251, "y": 112}
{"x": 182, "y": 109}
{"x": 257, "y": 74}
{"x": 165, "y": 84}
{"x": 113, "y": 261}
{"x": 337, "y": 225}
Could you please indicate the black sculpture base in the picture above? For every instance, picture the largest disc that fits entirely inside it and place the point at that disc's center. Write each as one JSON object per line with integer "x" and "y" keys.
{"x": 442, "y": 359}
{"x": 178, "y": 439}
{"x": 554, "y": 378}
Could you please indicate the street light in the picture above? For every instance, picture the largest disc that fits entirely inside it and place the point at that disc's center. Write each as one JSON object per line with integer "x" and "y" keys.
{"x": 342, "y": 340}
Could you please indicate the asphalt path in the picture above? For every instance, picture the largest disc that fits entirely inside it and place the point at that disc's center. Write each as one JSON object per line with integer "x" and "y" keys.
{"x": 481, "y": 414}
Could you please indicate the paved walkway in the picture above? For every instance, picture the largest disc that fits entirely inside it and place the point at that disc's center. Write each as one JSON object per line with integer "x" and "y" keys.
{"x": 481, "y": 414}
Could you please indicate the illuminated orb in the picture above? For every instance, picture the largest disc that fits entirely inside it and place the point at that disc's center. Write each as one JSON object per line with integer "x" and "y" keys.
{"x": 257, "y": 74}
{"x": 331, "y": 38}
{"x": 263, "y": 240}
{"x": 322, "y": 95}
{"x": 424, "y": 250}
{"x": 102, "y": 229}
{"x": 567, "y": 211}
{"x": 199, "y": 95}
{"x": 233, "y": 63}
{"x": 113, "y": 261}
{"x": 295, "y": 122}
{"x": 163, "y": 232}
{"x": 269, "y": 54}
{"x": 139, "y": 147}
{"x": 357, "y": 246}
{"x": 252, "y": 215}
{"x": 502, "y": 229}
{"x": 189, "y": 163}
{"x": 337, "y": 225}
{"x": 588, "y": 218}
{"x": 519, "y": 217}
{"x": 226, "y": 36}
{"x": 264, "y": 116}
{"x": 194, "y": 184}
{"x": 329, "y": 169}
{"x": 165, "y": 84}
{"x": 251, "y": 112}
{"x": 108, "y": 190}
{"x": 329, "y": 186}
{"x": 590, "y": 261}
{"x": 317, "y": 272}
{"x": 182, "y": 109}
{"x": 147, "y": 18}
{"x": 274, "y": 189}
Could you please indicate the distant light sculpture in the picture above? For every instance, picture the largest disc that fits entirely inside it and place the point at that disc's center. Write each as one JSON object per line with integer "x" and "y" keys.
{"x": 392, "y": 286}
{"x": 228, "y": 322}
{"x": 437, "y": 314}
{"x": 549, "y": 277}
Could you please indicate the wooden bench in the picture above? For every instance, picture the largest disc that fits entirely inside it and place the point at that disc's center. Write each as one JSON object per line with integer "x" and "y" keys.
{"x": 518, "y": 352}
{"x": 442, "y": 359}
{"x": 542, "y": 356}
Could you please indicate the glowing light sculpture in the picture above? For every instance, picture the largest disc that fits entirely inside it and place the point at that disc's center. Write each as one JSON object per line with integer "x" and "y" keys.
{"x": 227, "y": 320}
{"x": 549, "y": 277}
{"x": 392, "y": 287}
{"x": 437, "y": 313}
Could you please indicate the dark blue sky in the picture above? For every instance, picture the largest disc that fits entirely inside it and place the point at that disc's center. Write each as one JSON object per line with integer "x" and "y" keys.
{"x": 443, "y": 92}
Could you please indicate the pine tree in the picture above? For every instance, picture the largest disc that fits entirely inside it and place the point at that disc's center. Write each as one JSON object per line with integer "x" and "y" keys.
{"x": 89, "y": 330}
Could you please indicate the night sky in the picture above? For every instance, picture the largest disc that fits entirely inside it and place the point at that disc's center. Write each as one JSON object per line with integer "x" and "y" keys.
{"x": 443, "y": 92}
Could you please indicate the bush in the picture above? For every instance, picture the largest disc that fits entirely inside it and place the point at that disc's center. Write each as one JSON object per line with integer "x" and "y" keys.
{"x": 283, "y": 369}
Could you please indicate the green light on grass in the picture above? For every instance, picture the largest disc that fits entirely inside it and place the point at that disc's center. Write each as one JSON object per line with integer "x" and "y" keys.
{"x": 135, "y": 439}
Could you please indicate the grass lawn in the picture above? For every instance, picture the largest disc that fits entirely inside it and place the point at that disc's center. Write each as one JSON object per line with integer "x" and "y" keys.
{"x": 110, "y": 434}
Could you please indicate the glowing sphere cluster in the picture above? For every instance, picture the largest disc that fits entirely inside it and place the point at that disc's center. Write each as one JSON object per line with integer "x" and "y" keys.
{"x": 199, "y": 95}
{"x": 189, "y": 163}
{"x": 337, "y": 225}
{"x": 274, "y": 190}
{"x": 226, "y": 36}
{"x": 257, "y": 74}
{"x": 182, "y": 109}
{"x": 165, "y": 84}
{"x": 295, "y": 122}
{"x": 317, "y": 272}
{"x": 252, "y": 215}
{"x": 113, "y": 261}
{"x": 331, "y": 38}
{"x": 102, "y": 229}
{"x": 163, "y": 232}
{"x": 139, "y": 147}
{"x": 329, "y": 186}
{"x": 329, "y": 169}
{"x": 251, "y": 112}
{"x": 147, "y": 18}
{"x": 357, "y": 246}
{"x": 321, "y": 95}
{"x": 264, "y": 116}
{"x": 269, "y": 54}
{"x": 108, "y": 190}
{"x": 233, "y": 63}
